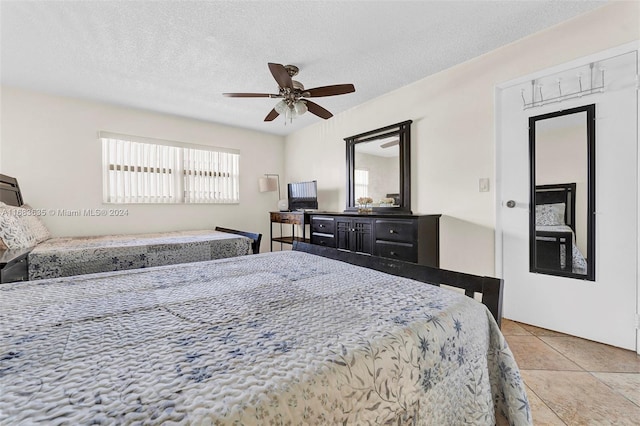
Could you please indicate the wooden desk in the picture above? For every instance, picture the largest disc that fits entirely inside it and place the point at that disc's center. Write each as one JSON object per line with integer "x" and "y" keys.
{"x": 294, "y": 219}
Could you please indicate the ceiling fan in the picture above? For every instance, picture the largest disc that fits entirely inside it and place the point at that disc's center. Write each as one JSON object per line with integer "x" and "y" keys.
{"x": 293, "y": 94}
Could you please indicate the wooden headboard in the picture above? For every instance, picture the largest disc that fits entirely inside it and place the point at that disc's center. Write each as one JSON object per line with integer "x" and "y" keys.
{"x": 10, "y": 191}
{"x": 559, "y": 193}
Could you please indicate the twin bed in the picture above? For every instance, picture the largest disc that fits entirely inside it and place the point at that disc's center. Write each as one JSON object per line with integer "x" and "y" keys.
{"x": 310, "y": 336}
{"x": 63, "y": 257}
{"x": 67, "y": 256}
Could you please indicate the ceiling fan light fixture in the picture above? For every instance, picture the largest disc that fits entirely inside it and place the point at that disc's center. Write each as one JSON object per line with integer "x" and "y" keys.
{"x": 281, "y": 107}
{"x": 300, "y": 107}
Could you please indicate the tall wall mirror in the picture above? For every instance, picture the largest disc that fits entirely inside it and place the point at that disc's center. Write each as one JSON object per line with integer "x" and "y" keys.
{"x": 562, "y": 164}
{"x": 379, "y": 167}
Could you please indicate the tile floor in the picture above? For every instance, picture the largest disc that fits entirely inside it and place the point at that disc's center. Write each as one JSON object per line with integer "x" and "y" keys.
{"x": 572, "y": 381}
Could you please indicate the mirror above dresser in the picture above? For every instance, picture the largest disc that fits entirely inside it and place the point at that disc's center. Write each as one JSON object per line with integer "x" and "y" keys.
{"x": 379, "y": 168}
{"x": 379, "y": 171}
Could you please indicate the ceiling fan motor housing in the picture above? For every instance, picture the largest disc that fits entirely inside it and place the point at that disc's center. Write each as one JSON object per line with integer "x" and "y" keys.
{"x": 292, "y": 70}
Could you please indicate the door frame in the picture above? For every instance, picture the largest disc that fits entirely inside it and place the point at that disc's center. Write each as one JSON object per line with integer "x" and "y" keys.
{"x": 498, "y": 123}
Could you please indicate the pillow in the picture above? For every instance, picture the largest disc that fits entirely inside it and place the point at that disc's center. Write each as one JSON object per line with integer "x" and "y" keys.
{"x": 13, "y": 228}
{"x": 550, "y": 214}
{"x": 2, "y": 244}
{"x": 36, "y": 225}
{"x": 21, "y": 227}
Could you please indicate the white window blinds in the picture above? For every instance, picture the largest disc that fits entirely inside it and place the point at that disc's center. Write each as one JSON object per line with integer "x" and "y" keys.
{"x": 142, "y": 170}
{"x": 361, "y": 183}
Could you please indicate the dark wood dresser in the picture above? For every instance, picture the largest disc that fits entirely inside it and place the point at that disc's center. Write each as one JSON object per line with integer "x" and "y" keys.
{"x": 412, "y": 238}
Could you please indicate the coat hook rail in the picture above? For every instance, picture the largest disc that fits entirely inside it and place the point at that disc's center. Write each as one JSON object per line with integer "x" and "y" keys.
{"x": 538, "y": 100}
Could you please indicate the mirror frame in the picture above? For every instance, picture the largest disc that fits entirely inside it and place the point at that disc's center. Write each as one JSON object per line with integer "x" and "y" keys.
{"x": 403, "y": 130}
{"x": 591, "y": 192}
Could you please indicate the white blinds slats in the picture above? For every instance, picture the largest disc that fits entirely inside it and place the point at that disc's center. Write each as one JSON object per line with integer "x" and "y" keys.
{"x": 361, "y": 183}
{"x": 137, "y": 172}
{"x": 211, "y": 176}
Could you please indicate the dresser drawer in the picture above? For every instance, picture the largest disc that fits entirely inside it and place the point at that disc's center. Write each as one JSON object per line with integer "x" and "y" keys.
{"x": 400, "y": 251}
{"x": 283, "y": 217}
{"x": 395, "y": 230}
{"x": 323, "y": 225}
{"x": 15, "y": 271}
{"x": 326, "y": 240}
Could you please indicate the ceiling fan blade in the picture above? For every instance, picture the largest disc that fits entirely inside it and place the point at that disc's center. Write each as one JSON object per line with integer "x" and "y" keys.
{"x": 281, "y": 75}
{"x": 316, "y": 109}
{"x": 336, "y": 89}
{"x": 390, "y": 144}
{"x": 272, "y": 115}
{"x": 249, "y": 95}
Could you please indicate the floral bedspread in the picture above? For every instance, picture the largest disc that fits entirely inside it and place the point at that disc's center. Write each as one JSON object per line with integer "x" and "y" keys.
{"x": 275, "y": 338}
{"x": 63, "y": 257}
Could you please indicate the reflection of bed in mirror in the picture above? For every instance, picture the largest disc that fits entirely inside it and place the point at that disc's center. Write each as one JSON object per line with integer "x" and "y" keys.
{"x": 555, "y": 245}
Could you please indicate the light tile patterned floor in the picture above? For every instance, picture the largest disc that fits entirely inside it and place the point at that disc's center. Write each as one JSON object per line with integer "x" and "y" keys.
{"x": 572, "y": 381}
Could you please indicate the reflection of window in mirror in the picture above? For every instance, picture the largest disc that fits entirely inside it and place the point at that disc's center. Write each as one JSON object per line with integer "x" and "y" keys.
{"x": 361, "y": 184}
{"x": 381, "y": 160}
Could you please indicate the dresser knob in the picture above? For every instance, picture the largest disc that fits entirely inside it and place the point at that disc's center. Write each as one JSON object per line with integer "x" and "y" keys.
{"x": 391, "y": 231}
{"x": 353, "y": 229}
{"x": 321, "y": 225}
{"x": 392, "y": 253}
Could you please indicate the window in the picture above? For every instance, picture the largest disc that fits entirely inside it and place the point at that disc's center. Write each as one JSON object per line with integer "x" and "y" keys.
{"x": 142, "y": 170}
{"x": 361, "y": 183}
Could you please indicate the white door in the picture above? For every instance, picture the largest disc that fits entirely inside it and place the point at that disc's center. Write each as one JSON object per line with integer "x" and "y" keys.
{"x": 603, "y": 310}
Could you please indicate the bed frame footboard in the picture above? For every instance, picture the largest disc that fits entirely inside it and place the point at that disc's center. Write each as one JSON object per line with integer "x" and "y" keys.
{"x": 490, "y": 288}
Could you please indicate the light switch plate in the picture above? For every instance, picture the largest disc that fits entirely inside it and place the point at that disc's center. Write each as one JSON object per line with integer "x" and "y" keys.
{"x": 484, "y": 184}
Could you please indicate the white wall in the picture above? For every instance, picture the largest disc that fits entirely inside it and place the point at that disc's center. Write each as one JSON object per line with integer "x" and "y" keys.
{"x": 50, "y": 144}
{"x": 453, "y": 134}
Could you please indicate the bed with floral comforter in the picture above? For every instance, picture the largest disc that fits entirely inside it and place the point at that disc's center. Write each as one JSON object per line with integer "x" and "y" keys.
{"x": 67, "y": 256}
{"x": 275, "y": 338}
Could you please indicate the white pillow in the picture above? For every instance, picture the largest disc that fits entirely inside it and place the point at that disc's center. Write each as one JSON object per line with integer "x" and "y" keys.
{"x": 14, "y": 231}
{"x": 550, "y": 214}
{"x": 21, "y": 227}
{"x": 2, "y": 244}
{"x": 36, "y": 225}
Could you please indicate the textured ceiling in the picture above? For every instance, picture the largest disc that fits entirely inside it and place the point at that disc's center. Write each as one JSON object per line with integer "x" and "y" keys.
{"x": 178, "y": 57}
